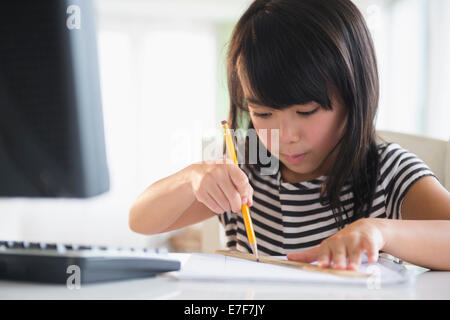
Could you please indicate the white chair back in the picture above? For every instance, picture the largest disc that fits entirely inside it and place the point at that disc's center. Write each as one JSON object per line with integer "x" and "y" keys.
{"x": 434, "y": 152}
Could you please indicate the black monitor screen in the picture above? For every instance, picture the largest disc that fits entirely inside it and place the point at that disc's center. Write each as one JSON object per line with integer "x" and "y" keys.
{"x": 51, "y": 122}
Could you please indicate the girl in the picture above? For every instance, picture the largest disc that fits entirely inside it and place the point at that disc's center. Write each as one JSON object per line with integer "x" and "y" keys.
{"x": 308, "y": 69}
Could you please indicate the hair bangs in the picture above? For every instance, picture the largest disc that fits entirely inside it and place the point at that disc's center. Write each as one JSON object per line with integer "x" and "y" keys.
{"x": 287, "y": 74}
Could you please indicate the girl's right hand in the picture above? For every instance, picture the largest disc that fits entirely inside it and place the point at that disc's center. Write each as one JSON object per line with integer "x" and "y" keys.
{"x": 221, "y": 185}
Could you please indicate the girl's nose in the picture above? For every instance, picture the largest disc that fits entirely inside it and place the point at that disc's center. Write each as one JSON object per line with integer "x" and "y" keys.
{"x": 289, "y": 133}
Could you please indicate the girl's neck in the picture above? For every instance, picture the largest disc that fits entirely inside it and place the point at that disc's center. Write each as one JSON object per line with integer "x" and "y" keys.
{"x": 290, "y": 176}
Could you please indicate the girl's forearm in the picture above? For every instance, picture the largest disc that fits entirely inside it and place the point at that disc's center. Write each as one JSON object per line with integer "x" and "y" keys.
{"x": 424, "y": 243}
{"x": 162, "y": 203}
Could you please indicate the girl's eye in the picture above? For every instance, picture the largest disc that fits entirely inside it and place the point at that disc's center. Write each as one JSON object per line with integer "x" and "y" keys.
{"x": 308, "y": 113}
{"x": 262, "y": 115}
{"x": 267, "y": 115}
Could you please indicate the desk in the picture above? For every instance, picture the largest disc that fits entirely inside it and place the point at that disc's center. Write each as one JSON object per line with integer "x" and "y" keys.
{"x": 430, "y": 285}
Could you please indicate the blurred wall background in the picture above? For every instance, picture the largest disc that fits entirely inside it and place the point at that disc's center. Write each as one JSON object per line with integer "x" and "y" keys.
{"x": 164, "y": 88}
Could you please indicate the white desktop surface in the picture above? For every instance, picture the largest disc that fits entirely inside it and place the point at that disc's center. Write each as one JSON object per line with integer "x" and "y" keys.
{"x": 430, "y": 285}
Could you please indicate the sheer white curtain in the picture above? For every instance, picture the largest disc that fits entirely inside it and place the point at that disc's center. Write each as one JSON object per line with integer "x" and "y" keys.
{"x": 413, "y": 49}
{"x": 158, "y": 83}
{"x": 437, "y": 117}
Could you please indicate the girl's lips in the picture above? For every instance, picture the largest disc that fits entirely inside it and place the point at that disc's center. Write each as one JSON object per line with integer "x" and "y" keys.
{"x": 294, "y": 158}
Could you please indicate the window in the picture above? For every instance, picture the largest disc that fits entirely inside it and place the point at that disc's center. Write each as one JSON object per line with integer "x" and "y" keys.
{"x": 412, "y": 45}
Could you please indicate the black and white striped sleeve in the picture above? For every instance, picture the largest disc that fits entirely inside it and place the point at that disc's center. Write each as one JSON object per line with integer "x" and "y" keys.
{"x": 400, "y": 169}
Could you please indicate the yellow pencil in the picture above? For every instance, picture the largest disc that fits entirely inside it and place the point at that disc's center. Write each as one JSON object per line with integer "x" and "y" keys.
{"x": 245, "y": 211}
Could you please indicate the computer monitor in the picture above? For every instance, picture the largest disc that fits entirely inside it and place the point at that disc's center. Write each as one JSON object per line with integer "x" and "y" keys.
{"x": 51, "y": 122}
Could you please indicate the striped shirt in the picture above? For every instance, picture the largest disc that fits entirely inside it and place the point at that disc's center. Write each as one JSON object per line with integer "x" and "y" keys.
{"x": 288, "y": 217}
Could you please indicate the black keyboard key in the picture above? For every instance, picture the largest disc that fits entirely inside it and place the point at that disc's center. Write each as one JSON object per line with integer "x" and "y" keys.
{"x": 34, "y": 245}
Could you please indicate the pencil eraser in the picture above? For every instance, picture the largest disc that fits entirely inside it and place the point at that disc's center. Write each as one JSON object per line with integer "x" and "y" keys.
{"x": 224, "y": 121}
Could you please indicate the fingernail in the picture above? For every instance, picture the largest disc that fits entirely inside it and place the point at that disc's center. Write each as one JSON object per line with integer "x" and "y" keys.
{"x": 244, "y": 200}
{"x": 353, "y": 266}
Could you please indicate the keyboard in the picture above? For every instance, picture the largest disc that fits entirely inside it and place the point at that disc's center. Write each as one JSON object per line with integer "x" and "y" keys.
{"x": 79, "y": 264}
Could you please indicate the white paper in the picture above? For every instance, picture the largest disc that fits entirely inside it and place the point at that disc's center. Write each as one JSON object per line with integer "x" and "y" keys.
{"x": 217, "y": 267}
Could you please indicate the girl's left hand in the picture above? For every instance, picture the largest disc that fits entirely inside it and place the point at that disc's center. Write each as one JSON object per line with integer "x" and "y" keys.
{"x": 344, "y": 248}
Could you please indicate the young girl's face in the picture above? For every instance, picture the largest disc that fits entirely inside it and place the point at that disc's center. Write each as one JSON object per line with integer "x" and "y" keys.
{"x": 307, "y": 130}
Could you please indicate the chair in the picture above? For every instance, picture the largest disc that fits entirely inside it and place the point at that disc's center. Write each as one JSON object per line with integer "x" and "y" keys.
{"x": 434, "y": 152}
